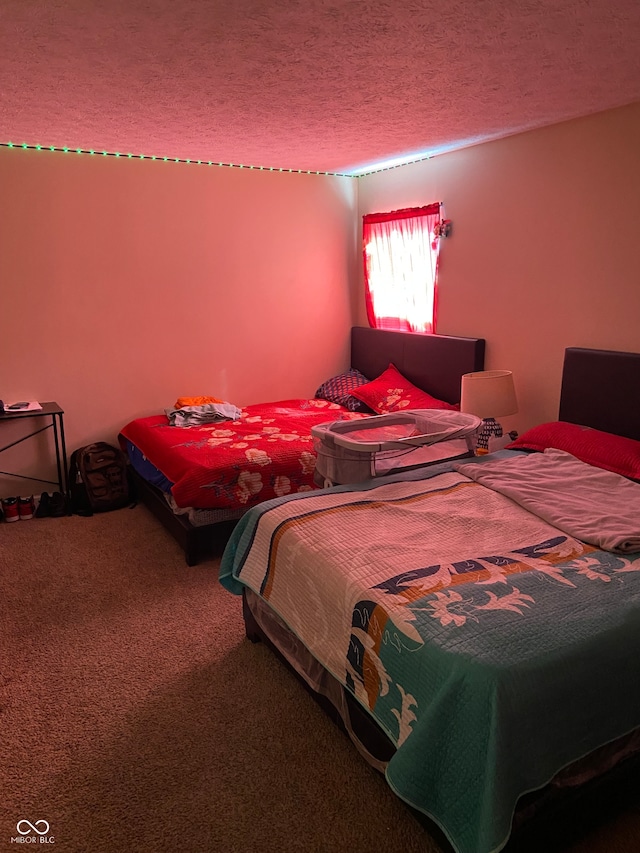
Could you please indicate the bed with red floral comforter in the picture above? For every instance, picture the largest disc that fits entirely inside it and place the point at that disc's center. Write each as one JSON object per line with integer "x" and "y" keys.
{"x": 266, "y": 453}
{"x": 198, "y": 480}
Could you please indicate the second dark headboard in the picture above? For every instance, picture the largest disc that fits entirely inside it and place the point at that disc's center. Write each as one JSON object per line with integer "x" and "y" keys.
{"x": 601, "y": 389}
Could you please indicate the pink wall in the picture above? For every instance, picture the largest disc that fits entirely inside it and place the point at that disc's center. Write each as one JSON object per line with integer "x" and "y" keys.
{"x": 544, "y": 250}
{"x": 126, "y": 284}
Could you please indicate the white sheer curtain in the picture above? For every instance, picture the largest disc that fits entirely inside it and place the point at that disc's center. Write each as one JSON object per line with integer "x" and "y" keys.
{"x": 401, "y": 261}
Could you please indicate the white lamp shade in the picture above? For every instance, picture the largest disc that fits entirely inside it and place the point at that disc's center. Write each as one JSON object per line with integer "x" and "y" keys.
{"x": 488, "y": 394}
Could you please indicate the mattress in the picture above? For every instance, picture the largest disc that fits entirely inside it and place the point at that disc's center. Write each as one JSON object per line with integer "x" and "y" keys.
{"x": 267, "y": 452}
{"x": 489, "y": 644}
{"x": 216, "y": 472}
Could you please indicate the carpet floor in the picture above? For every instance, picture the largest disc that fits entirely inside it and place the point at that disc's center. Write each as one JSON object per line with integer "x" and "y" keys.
{"x": 135, "y": 715}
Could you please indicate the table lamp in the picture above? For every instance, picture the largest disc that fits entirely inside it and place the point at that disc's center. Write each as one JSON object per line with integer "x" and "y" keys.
{"x": 489, "y": 394}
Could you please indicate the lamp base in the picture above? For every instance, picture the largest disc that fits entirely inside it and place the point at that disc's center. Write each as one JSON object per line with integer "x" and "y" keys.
{"x": 490, "y": 429}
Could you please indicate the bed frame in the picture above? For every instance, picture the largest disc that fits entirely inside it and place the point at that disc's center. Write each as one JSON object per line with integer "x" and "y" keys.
{"x": 434, "y": 363}
{"x": 599, "y": 390}
{"x": 197, "y": 542}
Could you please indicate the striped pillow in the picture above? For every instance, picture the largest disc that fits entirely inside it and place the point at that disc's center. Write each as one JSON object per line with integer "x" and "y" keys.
{"x": 338, "y": 390}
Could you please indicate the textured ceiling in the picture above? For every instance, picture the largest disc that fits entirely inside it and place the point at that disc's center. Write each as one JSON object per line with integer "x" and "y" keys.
{"x": 328, "y": 85}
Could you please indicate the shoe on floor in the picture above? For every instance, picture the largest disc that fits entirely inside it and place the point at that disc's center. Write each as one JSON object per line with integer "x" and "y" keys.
{"x": 10, "y": 509}
{"x": 43, "y": 509}
{"x": 57, "y": 505}
{"x": 26, "y": 508}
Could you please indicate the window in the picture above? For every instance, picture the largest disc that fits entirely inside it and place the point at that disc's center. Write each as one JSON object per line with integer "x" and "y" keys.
{"x": 400, "y": 268}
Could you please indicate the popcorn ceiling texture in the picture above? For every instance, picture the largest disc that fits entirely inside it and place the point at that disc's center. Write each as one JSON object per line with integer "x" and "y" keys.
{"x": 326, "y": 85}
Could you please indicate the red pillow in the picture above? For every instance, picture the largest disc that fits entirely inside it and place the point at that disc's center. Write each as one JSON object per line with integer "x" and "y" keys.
{"x": 601, "y": 449}
{"x": 392, "y": 392}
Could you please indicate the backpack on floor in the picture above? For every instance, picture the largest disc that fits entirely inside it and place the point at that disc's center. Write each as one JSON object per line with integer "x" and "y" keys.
{"x": 99, "y": 479}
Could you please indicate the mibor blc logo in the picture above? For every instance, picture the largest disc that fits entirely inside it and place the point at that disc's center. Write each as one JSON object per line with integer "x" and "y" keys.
{"x": 33, "y": 833}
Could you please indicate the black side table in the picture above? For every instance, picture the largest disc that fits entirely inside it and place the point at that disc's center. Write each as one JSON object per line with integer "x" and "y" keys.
{"x": 54, "y": 413}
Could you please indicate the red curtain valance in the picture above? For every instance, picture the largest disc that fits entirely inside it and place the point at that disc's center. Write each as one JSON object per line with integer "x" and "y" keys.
{"x": 405, "y": 213}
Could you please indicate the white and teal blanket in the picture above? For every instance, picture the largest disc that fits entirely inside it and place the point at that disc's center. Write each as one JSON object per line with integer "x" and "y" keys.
{"x": 493, "y": 647}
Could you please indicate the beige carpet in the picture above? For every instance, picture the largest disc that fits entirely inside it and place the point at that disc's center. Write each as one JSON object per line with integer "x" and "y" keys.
{"x": 135, "y": 716}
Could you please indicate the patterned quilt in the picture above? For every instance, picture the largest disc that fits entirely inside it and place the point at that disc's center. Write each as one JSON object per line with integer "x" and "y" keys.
{"x": 268, "y": 452}
{"x": 492, "y": 647}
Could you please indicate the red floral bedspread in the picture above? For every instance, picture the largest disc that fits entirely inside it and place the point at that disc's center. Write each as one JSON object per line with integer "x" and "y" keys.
{"x": 268, "y": 452}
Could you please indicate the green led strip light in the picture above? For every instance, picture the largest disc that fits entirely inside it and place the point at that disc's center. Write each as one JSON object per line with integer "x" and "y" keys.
{"x": 376, "y": 169}
{"x": 66, "y": 150}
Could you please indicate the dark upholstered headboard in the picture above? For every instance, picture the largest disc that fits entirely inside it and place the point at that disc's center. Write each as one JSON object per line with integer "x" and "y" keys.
{"x": 601, "y": 389}
{"x": 435, "y": 363}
